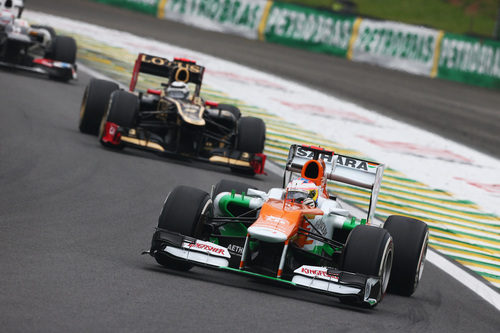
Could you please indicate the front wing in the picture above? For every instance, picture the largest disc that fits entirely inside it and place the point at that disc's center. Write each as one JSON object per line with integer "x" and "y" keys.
{"x": 115, "y": 135}
{"x": 44, "y": 66}
{"x": 361, "y": 288}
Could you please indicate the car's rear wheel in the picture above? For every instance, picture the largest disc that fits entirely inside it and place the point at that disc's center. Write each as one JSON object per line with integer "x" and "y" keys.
{"x": 369, "y": 251}
{"x": 410, "y": 238}
{"x": 184, "y": 212}
{"x": 122, "y": 111}
{"x": 251, "y": 135}
{"x": 94, "y": 104}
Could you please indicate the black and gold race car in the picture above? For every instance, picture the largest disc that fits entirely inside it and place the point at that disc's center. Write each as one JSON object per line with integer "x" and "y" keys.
{"x": 173, "y": 119}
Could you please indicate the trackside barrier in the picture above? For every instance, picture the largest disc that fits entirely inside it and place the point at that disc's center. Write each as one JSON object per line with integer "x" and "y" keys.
{"x": 240, "y": 17}
{"x": 405, "y": 47}
{"x": 308, "y": 28}
{"x": 395, "y": 45}
{"x": 145, "y": 6}
{"x": 469, "y": 60}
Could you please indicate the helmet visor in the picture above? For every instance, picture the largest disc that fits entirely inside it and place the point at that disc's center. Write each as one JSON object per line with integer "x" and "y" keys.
{"x": 174, "y": 93}
{"x": 296, "y": 195}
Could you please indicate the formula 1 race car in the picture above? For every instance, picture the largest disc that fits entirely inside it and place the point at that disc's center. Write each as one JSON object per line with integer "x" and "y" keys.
{"x": 299, "y": 234}
{"x": 34, "y": 48}
{"x": 174, "y": 119}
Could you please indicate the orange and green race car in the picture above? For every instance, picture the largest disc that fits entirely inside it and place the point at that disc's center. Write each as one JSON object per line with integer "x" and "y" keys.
{"x": 299, "y": 234}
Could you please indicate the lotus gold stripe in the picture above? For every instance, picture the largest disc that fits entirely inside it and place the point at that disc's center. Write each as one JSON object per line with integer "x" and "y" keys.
{"x": 143, "y": 143}
{"x": 230, "y": 161}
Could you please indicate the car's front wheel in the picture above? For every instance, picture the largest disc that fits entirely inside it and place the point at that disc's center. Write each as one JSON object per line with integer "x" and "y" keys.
{"x": 122, "y": 111}
{"x": 63, "y": 49}
{"x": 94, "y": 104}
{"x": 184, "y": 212}
{"x": 369, "y": 251}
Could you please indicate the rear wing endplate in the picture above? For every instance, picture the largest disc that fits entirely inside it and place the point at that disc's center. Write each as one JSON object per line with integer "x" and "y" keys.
{"x": 341, "y": 168}
{"x": 179, "y": 69}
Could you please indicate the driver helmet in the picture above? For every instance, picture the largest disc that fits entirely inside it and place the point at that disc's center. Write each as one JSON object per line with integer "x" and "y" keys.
{"x": 15, "y": 6}
{"x": 303, "y": 191}
{"x": 178, "y": 90}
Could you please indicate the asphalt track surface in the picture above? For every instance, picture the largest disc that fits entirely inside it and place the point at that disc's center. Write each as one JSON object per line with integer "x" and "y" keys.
{"x": 75, "y": 216}
{"x": 466, "y": 114}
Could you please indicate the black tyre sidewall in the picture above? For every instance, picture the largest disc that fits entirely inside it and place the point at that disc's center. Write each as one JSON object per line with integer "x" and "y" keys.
{"x": 409, "y": 235}
{"x": 182, "y": 211}
{"x": 251, "y": 135}
{"x": 63, "y": 49}
{"x": 364, "y": 249}
{"x": 94, "y": 105}
{"x": 365, "y": 253}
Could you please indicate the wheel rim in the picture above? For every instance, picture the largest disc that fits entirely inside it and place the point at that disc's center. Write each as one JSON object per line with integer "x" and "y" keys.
{"x": 102, "y": 126}
{"x": 421, "y": 261}
{"x": 386, "y": 267}
{"x": 204, "y": 211}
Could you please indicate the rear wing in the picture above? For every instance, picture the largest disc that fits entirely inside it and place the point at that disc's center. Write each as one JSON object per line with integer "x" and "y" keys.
{"x": 179, "y": 69}
{"x": 340, "y": 168}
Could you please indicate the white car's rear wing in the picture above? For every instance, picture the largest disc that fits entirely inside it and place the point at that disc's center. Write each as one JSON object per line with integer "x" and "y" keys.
{"x": 340, "y": 168}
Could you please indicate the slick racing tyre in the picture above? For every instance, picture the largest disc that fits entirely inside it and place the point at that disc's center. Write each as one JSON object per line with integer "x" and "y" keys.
{"x": 183, "y": 212}
{"x": 64, "y": 49}
{"x": 251, "y": 135}
{"x": 369, "y": 251}
{"x": 229, "y": 185}
{"x": 410, "y": 237}
{"x": 122, "y": 111}
{"x": 231, "y": 108}
{"x": 94, "y": 104}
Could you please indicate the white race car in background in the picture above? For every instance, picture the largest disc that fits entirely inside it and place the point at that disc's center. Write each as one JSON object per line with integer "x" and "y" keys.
{"x": 35, "y": 48}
